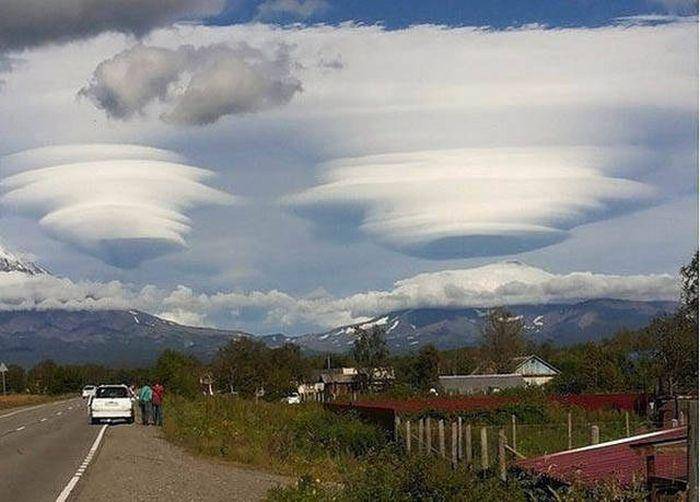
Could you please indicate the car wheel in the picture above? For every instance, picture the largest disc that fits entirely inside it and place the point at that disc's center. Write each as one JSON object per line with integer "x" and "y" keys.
{"x": 130, "y": 420}
{"x": 94, "y": 421}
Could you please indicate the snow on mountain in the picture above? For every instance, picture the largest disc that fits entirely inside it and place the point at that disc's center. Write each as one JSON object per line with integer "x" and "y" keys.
{"x": 10, "y": 262}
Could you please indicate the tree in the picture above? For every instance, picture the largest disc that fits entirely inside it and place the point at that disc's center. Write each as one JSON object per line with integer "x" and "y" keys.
{"x": 15, "y": 379}
{"x": 676, "y": 350}
{"x": 689, "y": 288}
{"x": 422, "y": 371}
{"x": 502, "y": 339}
{"x": 370, "y": 352}
{"x": 178, "y": 373}
{"x": 242, "y": 366}
{"x": 370, "y": 349}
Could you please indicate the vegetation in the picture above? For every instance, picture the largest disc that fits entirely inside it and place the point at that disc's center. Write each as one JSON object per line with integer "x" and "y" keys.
{"x": 287, "y": 439}
{"x": 17, "y": 400}
{"x": 502, "y": 339}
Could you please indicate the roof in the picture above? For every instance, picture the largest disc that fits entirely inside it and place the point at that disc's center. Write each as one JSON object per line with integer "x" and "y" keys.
{"x": 532, "y": 361}
{"x": 337, "y": 378}
{"x": 517, "y": 363}
{"x": 468, "y": 383}
{"x": 617, "y": 460}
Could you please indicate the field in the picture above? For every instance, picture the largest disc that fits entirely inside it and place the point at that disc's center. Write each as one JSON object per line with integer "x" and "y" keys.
{"x": 293, "y": 440}
{"x": 17, "y": 400}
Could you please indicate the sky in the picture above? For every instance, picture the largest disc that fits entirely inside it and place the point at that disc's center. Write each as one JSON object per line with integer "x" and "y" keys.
{"x": 294, "y": 165}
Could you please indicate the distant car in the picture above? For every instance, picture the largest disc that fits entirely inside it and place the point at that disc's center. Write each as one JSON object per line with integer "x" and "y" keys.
{"x": 292, "y": 399}
{"x": 111, "y": 402}
{"x": 89, "y": 391}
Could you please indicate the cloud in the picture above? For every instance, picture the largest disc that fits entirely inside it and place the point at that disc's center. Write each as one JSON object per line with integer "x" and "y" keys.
{"x": 26, "y": 24}
{"x": 304, "y": 9}
{"x": 201, "y": 84}
{"x": 472, "y": 202}
{"x": 121, "y": 203}
{"x": 505, "y": 283}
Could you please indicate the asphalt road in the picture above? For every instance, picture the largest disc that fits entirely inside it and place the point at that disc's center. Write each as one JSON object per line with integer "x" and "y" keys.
{"x": 41, "y": 448}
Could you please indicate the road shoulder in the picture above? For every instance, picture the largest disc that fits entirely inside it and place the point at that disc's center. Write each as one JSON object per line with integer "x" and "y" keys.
{"x": 136, "y": 463}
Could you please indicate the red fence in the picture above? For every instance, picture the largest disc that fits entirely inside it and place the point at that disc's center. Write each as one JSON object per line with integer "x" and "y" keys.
{"x": 629, "y": 402}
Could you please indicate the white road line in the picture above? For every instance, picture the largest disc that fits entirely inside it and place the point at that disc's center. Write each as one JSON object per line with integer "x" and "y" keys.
{"x": 43, "y": 420}
{"x": 74, "y": 480}
{"x": 21, "y": 428}
{"x": 58, "y": 412}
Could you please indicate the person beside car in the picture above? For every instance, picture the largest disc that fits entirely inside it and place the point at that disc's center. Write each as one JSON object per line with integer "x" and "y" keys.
{"x": 157, "y": 400}
{"x": 145, "y": 403}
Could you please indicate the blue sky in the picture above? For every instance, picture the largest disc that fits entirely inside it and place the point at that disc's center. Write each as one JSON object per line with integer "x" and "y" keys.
{"x": 498, "y": 14}
{"x": 271, "y": 167}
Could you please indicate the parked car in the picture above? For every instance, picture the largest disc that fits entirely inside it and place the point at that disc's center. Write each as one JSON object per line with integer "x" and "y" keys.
{"x": 111, "y": 402}
{"x": 89, "y": 391}
{"x": 294, "y": 398}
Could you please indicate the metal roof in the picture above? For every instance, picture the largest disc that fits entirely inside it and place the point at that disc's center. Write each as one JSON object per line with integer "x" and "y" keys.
{"x": 614, "y": 460}
{"x": 474, "y": 383}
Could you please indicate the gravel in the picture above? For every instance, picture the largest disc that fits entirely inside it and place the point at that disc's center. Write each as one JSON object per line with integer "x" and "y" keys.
{"x": 136, "y": 463}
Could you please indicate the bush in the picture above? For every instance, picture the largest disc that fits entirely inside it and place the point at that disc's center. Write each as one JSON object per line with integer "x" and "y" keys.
{"x": 289, "y": 439}
{"x": 388, "y": 476}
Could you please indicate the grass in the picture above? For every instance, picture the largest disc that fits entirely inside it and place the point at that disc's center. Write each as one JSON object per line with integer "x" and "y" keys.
{"x": 16, "y": 400}
{"x": 294, "y": 440}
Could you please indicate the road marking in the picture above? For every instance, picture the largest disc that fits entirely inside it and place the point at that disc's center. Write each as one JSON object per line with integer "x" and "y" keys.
{"x": 43, "y": 420}
{"x": 76, "y": 477}
{"x": 21, "y": 428}
{"x": 58, "y": 412}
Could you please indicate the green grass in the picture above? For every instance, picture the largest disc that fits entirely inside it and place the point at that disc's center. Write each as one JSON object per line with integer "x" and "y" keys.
{"x": 289, "y": 439}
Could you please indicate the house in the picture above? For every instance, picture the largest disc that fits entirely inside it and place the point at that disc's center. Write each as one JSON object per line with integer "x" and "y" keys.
{"x": 344, "y": 382}
{"x": 472, "y": 384}
{"x": 534, "y": 369}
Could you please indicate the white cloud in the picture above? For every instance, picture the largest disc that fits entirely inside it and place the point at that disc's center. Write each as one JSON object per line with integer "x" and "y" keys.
{"x": 270, "y": 9}
{"x": 121, "y": 203}
{"x": 506, "y": 283}
{"x": 201, "y": 84}
{"x": 473, "y": 202}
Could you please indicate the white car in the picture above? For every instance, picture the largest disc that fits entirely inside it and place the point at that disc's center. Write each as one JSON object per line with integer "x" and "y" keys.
{"x": 292, "y": 399}
{"x": 88, "y": 391}
{"x": 111, "y": 402}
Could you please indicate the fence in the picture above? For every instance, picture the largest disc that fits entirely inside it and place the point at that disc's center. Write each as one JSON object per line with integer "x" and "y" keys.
{"x": 486, "y": 446}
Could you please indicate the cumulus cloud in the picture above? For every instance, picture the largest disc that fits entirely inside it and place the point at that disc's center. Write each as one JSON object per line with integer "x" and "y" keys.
{"x": 472, "y": 202}
{"x": 506, "y": 283}
{"x": 201, "y": 85}
{"x": 270, "y": 9}
{"x": 121, "y": 203}
{"x": 26, "y": 24}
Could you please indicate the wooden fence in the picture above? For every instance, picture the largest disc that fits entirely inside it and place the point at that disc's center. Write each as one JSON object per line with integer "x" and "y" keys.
{"x": 483, "y": 447}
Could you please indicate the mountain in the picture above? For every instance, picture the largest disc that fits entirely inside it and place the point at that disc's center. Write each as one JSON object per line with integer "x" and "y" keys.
{"x": 562, "y": 324}
{"x": 111, "y": 337}
{"x": 9, "y": 262}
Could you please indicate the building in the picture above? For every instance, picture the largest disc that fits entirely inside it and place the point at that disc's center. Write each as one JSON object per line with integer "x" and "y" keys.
{"x": 523, "y": 371}
{"x": 534, "y": 369}
{"x": 347, "y": 382}
{"x": 624, "y": 461}
{"x": 473, "y": 384}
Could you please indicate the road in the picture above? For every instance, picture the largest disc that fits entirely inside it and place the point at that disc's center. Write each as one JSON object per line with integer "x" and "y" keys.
{"x": 41, "y": 449}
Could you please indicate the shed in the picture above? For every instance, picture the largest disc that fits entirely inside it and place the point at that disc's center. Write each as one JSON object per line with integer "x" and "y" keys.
{"x": 614, "y": 460}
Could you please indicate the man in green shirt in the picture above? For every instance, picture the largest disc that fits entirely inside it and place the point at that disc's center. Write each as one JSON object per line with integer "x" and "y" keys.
{"x": 145, "y": 397}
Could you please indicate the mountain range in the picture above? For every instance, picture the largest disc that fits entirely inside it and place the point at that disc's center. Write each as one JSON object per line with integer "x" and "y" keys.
{"x": 134, "y": 338}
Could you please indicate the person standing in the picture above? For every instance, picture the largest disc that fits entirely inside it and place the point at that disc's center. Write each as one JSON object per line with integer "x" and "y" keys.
{"x": 157, "y": 400}
{"x": 145, "y": 398}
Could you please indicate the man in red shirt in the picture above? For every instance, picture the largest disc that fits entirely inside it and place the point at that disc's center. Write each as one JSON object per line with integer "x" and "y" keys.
{"x": 157, "y": 403}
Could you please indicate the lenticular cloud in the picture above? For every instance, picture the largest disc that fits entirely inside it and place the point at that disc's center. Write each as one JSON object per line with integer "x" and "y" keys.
{"x": 121, "y": 203}
{"x": 477, "y": 201}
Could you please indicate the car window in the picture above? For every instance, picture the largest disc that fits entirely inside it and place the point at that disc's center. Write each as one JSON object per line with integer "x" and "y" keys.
{"x": 112, "y": 392}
